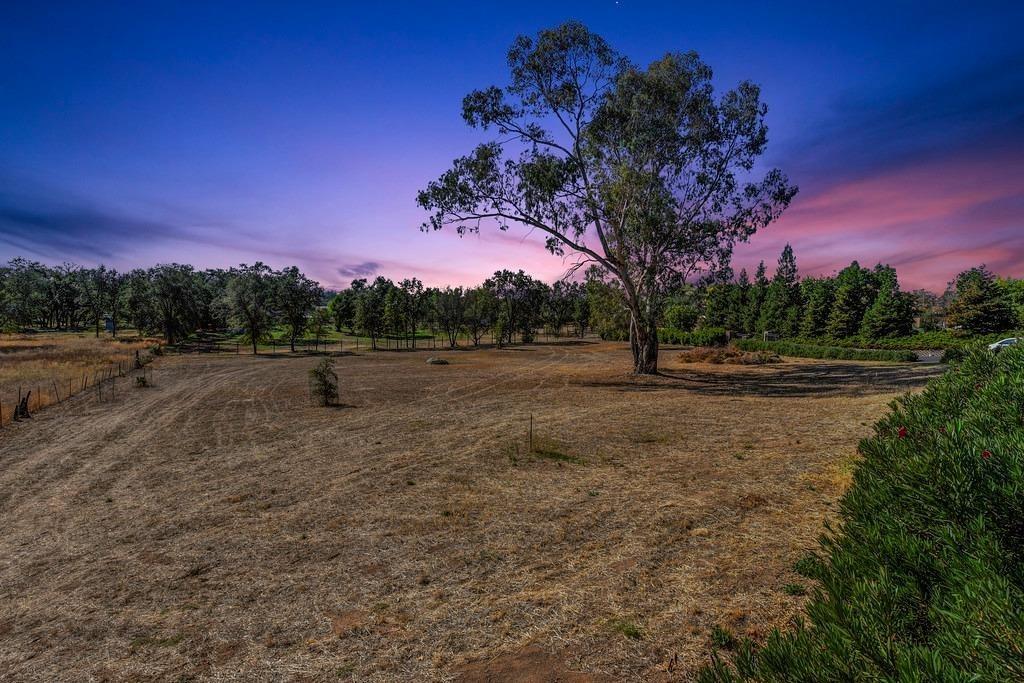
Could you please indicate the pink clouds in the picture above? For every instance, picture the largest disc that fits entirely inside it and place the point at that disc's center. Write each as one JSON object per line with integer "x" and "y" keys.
{"x": 930, "y": 219}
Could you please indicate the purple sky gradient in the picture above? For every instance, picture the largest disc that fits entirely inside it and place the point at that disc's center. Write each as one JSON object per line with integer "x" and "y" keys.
{"x": 206, "y": 134}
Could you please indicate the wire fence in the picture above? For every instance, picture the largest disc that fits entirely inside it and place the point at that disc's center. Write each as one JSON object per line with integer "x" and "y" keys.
{"x": 384, "y": 342}
{"x": 101, "y": 382}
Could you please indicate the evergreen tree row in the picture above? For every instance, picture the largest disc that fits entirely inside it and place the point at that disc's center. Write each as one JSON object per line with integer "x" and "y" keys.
{"x": 857, "y": 301}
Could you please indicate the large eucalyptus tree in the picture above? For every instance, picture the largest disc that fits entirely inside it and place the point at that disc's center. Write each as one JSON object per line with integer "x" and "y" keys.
{"x": 643, "y": 172}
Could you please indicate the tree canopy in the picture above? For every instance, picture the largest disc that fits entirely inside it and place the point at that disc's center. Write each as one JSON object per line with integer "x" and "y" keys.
{"x": 980, "y": 304}
{"x": 643, "y": 172}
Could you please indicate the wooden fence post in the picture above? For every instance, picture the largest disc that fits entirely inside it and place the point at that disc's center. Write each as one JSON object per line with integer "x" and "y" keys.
{"x": 531, "y": 432}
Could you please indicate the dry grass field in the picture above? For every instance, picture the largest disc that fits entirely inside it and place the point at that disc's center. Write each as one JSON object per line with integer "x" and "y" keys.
{"x": 218, "y": 526}
{"x": 53, "y": 366}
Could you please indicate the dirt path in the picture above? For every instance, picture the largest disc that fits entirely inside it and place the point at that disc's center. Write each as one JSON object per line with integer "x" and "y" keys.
{"x": 218, "y": 527}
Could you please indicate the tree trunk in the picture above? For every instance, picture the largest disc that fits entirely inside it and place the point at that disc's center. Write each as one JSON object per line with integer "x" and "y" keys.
{"x": 643, "y": 341}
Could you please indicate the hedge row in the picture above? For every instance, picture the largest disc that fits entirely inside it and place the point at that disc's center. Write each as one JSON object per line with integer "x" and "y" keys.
{"x": 923, "y": 579}
{"x": 940, "y": 339}
{"x": 706, "y": 336}
{"x": 785, "y": 348}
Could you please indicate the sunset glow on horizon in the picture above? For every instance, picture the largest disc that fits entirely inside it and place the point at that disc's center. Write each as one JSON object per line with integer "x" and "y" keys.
{"x": 197, "y": 133}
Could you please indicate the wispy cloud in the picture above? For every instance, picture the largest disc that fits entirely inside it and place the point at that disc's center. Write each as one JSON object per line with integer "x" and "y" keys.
{"x": 872, "y": 129}
{"x": 365, "y": 269}
{"x": 931, "y": 181}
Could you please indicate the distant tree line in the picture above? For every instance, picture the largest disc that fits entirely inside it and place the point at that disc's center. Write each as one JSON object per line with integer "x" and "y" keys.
{"x": 175, "y": 300}
{"x": 857, "y": 301}
{"x": 172, "y": 300}
{"x": 507, "y": 306}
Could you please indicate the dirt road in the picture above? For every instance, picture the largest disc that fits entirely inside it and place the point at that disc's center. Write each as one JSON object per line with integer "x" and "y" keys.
{"x": 217, "y": 526}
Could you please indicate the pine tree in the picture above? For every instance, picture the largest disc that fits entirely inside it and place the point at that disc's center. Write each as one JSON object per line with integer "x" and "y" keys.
{"x": 850, "y": 302}
{"x": 1013, "y": 291}
{"x": 756, "y": 298}
{"x": 818, "y": 295}
{"x": 780, "y": 311}
{"x": 980, "y": 305}
{"x": 891, "y": 314}
{"x": 739, "y": 293}
{"x": 718, "y": 289}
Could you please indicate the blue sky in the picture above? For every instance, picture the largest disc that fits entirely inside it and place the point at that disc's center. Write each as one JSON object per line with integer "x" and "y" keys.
{"x": 218, "y": 133}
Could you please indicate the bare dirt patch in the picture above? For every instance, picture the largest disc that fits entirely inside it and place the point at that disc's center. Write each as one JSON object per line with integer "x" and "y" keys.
{"x": 218, "y": 526}
{"x": 530, "y": 665}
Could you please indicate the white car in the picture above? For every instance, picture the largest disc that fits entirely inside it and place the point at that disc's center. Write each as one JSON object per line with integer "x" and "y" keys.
{"x": 1003, "y": 343}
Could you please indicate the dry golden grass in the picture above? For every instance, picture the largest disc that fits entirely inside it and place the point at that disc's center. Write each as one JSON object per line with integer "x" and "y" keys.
{"x": 56, "y": 365}
{"x": 219, "y": 526}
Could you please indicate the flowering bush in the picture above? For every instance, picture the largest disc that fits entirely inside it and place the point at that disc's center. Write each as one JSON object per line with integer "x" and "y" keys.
{"x": 923, "y": 578}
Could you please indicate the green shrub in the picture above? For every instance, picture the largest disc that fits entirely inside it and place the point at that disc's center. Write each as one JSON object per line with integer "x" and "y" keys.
{"x": 723, "y": 638}
{"x": 323, "y": 382}
{"x": 923, "y": 578}
{"x": 787, "y": 348}
{"x": 953, "y": 355}
{"x": 627, "y": 628}
{"x": 936, "y": 339}
{"x": 680, "y": 317}
{"x": 705, "y": 336}
{"x": 613, "y": 334}
{"x": 809, "y": 566}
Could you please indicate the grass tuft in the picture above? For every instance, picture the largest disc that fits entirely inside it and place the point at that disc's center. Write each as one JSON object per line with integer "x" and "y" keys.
{"x": 722, "y": 638}
{"x": 626, "y": 627}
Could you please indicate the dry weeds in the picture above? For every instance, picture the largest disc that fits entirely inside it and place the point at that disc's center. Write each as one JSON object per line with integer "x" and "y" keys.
{"x": 221, "y": 527}
{"x": 729, "y": 355}
{"x": 54, "y": 366}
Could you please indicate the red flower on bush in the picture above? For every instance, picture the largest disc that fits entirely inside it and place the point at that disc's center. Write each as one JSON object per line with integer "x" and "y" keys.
{"x": 986, "y": 454}
{"x": 942, "y": 429}
{"x": 902, "y": 432}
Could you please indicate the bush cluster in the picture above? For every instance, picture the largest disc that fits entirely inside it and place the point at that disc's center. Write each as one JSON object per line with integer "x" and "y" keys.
{"x": 923, "y": 579}
{"x": 705, "y": 336}
{"x": 786, "y": 348}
